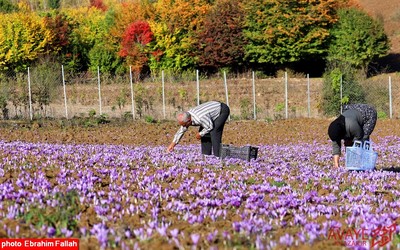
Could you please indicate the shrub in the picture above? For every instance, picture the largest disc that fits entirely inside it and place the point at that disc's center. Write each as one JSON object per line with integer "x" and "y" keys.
{"x": 149, "y": 119}
{"x": 45, "y": 79}
{"x": 338, "y": 81}
{"x": 245, "y": 109}
{"x": 92, "y": 113}
{"x": 382, "y": 115}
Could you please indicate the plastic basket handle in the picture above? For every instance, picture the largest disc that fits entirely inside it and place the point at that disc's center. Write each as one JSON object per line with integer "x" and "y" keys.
{"x": 357, "y": 144}
{"x": 367, "y": 145}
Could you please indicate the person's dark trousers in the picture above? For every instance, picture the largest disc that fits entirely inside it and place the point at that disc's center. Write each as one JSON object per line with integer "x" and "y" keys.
{"x": 212, "y": 141}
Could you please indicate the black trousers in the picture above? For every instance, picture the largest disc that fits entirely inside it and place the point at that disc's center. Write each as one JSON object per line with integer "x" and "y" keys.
{"x": 210, "y": 143}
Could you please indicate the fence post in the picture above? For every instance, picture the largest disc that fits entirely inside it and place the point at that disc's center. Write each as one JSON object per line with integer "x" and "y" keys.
{"x": 254, "y": 97}
{"x": 226, "y": 93}
{"x": 30, "y": 95}
{"x": 341, "y": 93}
{"x": 65, "y": 92}
{"x": 132, "y": 97}
{"x": 308, "y": 96}
{"x": 198, "y": 87}
{"x": 163, "y": 92}
{"x": 390, "y": 98}
{"x": 98, "y": 81}
{"x": 286, "y": 95}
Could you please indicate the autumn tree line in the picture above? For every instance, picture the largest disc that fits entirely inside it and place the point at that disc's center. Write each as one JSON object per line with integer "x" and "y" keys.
{"x": 181, "y": 35}
{"x": 333, "y": 37}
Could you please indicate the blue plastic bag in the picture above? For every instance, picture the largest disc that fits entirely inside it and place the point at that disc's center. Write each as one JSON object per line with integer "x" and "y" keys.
{"x": 361, "y": 156}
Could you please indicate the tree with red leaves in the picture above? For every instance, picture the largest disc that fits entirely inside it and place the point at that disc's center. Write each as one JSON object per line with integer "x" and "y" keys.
{"x": 133, "y": 45}
{"x": 60, "y": 27}
{"x": 99, "y": 4}
{"x": 60, "y": 46}
{"x": 220, "y": 41}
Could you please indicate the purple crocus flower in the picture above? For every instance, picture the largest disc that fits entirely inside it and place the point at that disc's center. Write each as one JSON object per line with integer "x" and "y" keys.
{"x": 195, "y": 238}
{"x": 174, "y": 233}
{"x": 162, "y": 231}
{"x": 66, "y": 232}
{"x": 51, "y": 231}
{"x": 286, "y": 240}
{"x": 211, "y": 236}
{"x": 83, "y": 231}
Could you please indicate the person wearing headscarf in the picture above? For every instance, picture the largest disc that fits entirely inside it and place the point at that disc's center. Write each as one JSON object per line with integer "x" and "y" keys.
{"x": 355, "y": 123}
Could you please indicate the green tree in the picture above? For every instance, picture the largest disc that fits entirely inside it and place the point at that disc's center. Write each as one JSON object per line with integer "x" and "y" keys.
{"x": 104, "y": 56}
{"x": 104, "y": 53}
{"x": 88, "y": 28}
{"x": 220, "y": 39}
{"x": 285, "y": 31}
{"x": 54, "y": 4}
{"x": 6, "y": 6}
{"x": 357, "y": 39}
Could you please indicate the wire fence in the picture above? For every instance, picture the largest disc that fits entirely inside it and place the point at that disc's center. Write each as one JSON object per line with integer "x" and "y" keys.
{"x": 35, "y": 94}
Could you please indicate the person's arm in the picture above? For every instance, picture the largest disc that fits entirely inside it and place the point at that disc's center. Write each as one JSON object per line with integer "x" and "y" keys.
{"x": 177, "y": 138}
{"x": 336, "y": 147}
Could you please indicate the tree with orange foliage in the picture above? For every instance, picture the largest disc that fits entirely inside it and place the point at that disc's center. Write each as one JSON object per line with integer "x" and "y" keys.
{"x": 174, "y": 26}
{"x": 134, "y": 42}
{"x": 125, "y": 14}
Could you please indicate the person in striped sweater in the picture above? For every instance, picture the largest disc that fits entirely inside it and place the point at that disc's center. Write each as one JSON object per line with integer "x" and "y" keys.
{"x": 210, "y": 117}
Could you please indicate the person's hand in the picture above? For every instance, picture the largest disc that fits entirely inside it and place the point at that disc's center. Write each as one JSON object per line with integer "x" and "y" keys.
{"x": 171, "y": 147}
{"x": 336, "y": 161}
{"x": 198, "y": 136}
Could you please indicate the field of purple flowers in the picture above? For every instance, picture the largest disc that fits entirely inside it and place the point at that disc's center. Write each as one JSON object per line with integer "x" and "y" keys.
{"x": 139, "y": 197}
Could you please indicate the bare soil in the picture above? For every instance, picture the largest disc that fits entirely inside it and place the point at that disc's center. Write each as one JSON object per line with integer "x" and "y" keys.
{"x": 161, "y": 133}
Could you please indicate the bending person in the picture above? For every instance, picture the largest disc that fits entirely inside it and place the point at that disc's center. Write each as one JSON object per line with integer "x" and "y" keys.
{"x": 355, "y": 123}
{"x": 210, "y": 117}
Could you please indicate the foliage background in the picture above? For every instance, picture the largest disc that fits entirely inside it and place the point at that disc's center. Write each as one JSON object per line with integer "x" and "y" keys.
{"x": 332, "y": 39}
{"x": 186, "y": 35}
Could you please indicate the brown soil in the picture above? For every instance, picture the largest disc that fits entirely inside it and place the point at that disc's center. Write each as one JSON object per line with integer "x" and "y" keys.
{"x": 161, "y": 133}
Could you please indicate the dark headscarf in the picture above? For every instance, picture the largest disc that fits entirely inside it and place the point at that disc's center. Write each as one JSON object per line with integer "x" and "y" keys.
{"x": 337, "y": 129}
